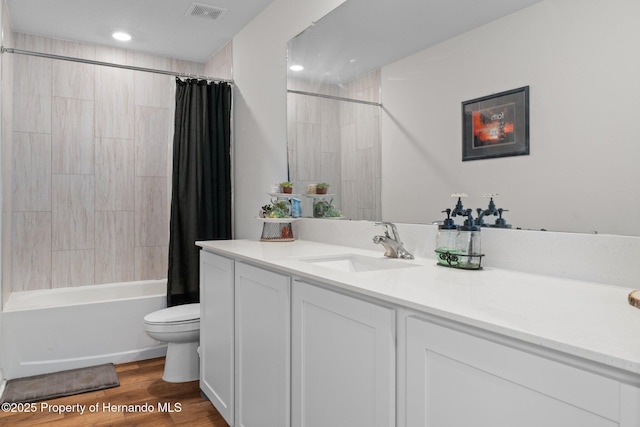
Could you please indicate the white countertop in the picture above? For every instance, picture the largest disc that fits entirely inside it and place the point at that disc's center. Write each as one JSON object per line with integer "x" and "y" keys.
{"x": 589, "y": 320}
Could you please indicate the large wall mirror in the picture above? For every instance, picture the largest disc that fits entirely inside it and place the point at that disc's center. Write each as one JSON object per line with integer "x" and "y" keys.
{"x": 376, "y": 111}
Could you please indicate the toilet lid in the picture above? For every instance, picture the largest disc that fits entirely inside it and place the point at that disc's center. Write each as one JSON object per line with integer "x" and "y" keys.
{"x": 178, "y": 313}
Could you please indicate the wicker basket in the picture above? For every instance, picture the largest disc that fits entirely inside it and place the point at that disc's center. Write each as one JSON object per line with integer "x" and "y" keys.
{"x": 277, "y": 230}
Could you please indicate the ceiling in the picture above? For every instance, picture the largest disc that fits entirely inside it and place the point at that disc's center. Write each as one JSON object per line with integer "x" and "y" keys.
{"x": 361, "y": 35}
{"x": 160, "y": 27}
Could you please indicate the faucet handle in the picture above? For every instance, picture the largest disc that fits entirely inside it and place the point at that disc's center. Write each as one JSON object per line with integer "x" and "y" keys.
{"x": 393, "y": 245}
{"x": 385, "y": 224}
{"x": 391, "y": 225}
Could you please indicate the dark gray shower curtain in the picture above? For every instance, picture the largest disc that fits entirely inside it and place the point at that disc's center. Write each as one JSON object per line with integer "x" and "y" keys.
{"x": 201, "y": 191}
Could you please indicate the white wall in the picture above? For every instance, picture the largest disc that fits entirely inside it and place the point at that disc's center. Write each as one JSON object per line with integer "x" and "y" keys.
{"x": 260, "y": 100}
{"x": 581, "y": 61}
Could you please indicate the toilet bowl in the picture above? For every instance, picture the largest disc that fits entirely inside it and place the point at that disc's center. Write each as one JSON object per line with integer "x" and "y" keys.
{"x": 179, "y": 327}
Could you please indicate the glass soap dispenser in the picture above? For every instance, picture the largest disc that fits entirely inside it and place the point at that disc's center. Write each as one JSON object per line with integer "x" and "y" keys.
{"x": 446, "y": 241}
{"x": 468, "y": 244}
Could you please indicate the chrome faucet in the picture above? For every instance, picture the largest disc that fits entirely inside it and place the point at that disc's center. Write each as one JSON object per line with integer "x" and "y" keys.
{"x": 393, "y": 245}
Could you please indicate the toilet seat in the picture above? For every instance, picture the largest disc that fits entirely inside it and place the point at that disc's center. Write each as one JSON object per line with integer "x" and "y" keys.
{"x": 177, "y": 315}
{"x": 179, "y": 328}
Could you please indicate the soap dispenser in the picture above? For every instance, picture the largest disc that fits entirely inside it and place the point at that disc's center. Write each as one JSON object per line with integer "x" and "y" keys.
{"x": 446, "y": 241}
{"x": 468, "y": 244}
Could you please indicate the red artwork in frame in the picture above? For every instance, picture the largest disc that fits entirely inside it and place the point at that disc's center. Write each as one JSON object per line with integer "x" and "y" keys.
{"x": 496, "y": 125}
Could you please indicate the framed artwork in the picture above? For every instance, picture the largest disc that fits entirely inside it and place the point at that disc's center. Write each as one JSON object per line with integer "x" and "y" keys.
{"x": 496, "y": 125}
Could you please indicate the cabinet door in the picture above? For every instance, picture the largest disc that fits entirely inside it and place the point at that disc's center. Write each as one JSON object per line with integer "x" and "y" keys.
{"x": 343, "y": 360}
{"x": 216, "y": 332}
{"x": 458, "y": 379}
{"x": 262, "y": 314}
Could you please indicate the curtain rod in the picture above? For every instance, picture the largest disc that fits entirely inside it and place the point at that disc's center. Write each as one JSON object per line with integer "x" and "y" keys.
{"x": 110, "y": 64}
{"x": 337, "y": 98}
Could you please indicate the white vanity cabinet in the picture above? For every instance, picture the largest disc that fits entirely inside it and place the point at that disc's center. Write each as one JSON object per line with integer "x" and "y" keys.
{"x": 245, "y": 341}
{"x": 283, "y": 345}
{"x": 216, "y": 332}
{"x": 262, "y": 347}
{"x": 455, "y": 378}
{"x": 343, "y": 360}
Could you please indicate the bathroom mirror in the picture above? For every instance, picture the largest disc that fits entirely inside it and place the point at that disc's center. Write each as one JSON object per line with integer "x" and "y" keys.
{"x": 427, "y": 58}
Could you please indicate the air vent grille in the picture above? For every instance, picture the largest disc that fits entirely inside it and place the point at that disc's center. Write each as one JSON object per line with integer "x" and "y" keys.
{"x": 205, "y": 11}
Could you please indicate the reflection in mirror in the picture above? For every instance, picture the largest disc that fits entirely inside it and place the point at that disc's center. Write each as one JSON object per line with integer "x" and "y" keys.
{"x": 579, "y": 60}
{"x": 334, "y": 89}
{"x": 337, "y": 141}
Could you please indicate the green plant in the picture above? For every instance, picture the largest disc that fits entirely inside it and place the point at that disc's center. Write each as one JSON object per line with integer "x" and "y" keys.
{"x": 275, "y": 210}
{"x": 321, "y": 188}
{"x": 286, "y": 184}
{"x": 332, "y": 212}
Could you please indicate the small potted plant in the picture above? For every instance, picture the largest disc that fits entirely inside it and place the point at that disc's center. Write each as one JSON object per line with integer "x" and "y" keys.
{"x": 278, "y": 209}
{"x": 322, "y": 188}
{"x": 287, "y": 187}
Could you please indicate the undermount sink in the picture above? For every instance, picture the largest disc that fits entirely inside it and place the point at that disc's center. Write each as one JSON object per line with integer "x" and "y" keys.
{"x": 356, "y": 263}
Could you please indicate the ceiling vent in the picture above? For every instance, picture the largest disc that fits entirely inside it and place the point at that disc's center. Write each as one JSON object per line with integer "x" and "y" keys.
{"x": 205, "y": 11}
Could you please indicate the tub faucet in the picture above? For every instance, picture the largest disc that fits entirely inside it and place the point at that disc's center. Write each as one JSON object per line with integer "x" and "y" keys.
{"x": 393, "y": 245}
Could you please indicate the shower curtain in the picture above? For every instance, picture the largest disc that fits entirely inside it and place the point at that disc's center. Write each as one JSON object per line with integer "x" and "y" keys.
{"x": 201, "y": 189}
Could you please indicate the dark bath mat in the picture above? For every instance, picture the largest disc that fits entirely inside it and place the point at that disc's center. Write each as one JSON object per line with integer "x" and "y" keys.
{"x": 59, "y": 384}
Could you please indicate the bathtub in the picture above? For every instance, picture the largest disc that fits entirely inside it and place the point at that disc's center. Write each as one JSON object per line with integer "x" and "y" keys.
{"x": 57, "y": 329}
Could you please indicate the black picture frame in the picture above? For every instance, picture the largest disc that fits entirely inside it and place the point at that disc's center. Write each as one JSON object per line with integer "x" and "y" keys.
{"x": 496, "y": 125}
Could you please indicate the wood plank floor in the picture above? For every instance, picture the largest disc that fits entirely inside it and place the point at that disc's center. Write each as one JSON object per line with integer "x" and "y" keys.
{"x": 140, "y": 383}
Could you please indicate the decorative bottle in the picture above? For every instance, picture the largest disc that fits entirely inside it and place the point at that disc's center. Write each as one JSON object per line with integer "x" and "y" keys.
{"x": 468, "y": 244}
{"x": 446, "y": 242}
{"x": 296, "y": 210}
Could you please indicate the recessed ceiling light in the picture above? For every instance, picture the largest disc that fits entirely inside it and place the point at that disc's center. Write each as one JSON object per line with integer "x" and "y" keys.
{"x": 123, "y": 37}
{"x": 296, "y": 68}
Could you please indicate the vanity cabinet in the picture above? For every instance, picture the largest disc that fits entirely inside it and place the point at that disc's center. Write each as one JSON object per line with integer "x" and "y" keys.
{"x": 262, "y": 347}
{"x": 245, "y": 341}
{"x": 279, "y": 349}
{"x": 455, "y": 378}
{"x": 216, "y": 332}
{"x": 343, "y": 360}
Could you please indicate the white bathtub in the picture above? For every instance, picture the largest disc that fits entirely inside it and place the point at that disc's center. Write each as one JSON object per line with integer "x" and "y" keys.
{"x": 58, "y": 329}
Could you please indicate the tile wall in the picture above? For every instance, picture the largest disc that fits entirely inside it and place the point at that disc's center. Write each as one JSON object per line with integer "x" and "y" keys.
{"x": 220, "y": 64}
{"x": 6, "y": 149}
{"x": 91, "y": 165}
{"x": 337, "y": 142}
{"x": 314, "y": 143}
{"x": 361, "y": 148}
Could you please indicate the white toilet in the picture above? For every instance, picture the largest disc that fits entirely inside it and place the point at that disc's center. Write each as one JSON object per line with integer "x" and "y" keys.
{"x": 179, "y": 326}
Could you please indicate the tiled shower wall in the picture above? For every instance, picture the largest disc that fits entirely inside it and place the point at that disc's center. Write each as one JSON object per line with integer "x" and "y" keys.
{"x": 361, "y": 148}
{"x": 313, "y": 142}
{"x": 91, "y": 165}
{"x": 6, "y": 106}
{"x": 337, "y": 142}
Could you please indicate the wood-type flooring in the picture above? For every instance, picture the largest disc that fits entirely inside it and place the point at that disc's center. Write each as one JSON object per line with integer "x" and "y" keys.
{"x": 142, "y": 399}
